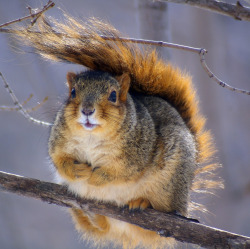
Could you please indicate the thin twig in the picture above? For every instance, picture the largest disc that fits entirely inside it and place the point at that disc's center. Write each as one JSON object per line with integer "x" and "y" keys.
{"x": 154, "y": 43}
{"x": 237, "y": 11}
{"x": 181, "y": 228}
{"x": 13, "y": 108}
{"x": 215, "y": 78}
{"x": 35, "y": 16}
{"x": 19, "y": 105}
{"x": 28, "y": 99}
{"x": 38, "y": 105}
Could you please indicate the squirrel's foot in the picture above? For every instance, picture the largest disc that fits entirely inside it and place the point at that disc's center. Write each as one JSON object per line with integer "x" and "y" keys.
{"x": 138, "y": 204}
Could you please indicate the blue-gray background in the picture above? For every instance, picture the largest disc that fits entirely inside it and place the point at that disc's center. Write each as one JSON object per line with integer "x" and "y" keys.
{"x": 29, "y": 224}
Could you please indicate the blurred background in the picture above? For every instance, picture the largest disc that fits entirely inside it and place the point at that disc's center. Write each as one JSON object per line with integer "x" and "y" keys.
{"x": 26, "y": 223}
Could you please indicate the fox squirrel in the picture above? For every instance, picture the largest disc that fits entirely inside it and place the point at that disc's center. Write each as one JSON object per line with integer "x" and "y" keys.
{"x": 130, "y": 131}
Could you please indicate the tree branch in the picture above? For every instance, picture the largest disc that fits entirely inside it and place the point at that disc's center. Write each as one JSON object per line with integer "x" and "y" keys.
{"x": 182, "y": 229}
{"x": 236, "y": 11}
{"x": 34, "y": 16}
{"x": 19, "y": 107}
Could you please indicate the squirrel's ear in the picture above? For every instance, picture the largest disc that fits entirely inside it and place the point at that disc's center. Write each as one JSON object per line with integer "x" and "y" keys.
{"x": 124, "y": 81}
{"x": 70, "y": 79}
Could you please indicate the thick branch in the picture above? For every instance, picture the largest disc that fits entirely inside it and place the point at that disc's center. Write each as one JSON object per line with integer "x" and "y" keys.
{"x": 184, "y": 230}
{"x": 236, "y": 11}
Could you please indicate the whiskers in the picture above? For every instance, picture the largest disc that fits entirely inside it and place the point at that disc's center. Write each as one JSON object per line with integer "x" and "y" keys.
{"x": 71, "y": 113}
{"x": 111, "y": 117}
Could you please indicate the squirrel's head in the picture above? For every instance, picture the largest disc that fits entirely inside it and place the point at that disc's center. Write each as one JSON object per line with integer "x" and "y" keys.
{"x": 96, "y": 100}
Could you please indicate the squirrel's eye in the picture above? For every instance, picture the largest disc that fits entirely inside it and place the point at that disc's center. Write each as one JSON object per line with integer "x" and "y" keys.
{"x": 73, "y": 93}
{"x": 112, "y": 96}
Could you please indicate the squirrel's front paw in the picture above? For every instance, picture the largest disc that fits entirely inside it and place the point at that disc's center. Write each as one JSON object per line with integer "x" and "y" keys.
{"x": 99, "y": 177}
{"x": 138, "y": 204}
{"x": 81, "y": 170}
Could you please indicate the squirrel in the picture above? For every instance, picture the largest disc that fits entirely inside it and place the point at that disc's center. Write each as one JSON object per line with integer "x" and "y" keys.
{"x": 130, "y": 131}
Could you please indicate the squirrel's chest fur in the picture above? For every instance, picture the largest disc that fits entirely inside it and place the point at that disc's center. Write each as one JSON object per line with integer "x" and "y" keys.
{"x": 100, "y": 152}
{"x": 93, "y": 150}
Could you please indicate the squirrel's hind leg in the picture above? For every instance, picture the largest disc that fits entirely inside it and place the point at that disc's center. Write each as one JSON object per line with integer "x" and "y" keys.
{"x": 90, "y": 223}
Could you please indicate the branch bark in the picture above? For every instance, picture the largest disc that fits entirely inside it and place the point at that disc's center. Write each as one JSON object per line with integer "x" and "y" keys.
{"x": 237, "y": 11}
{"x": 182, "y": 229}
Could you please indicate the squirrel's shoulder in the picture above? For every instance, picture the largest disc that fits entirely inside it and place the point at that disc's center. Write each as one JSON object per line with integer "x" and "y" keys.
{"x": 159, "y": 109}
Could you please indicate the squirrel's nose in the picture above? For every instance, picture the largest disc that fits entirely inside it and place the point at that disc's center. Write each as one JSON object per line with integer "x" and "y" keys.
{"x": 87, "y": 111}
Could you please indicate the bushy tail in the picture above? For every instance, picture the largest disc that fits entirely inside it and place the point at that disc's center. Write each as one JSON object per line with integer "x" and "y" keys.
{"x": 97, "y": 46}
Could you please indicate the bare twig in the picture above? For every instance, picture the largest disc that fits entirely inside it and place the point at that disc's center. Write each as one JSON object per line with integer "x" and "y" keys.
{"x": 215, "y": 78}
{"x": 237, "y": 11}
{"x": 19, "y": 106}
{"x": 154, "y": 43}
{"x": 13, "y": 108}
{"x": 38, "y": 105}
{"x": 182, "y": 229}
{"x": 27, "y": 100}
{"x": 34, "y": 16}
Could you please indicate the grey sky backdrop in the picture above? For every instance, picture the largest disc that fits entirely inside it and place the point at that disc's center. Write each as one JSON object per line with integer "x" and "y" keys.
{"x": 29, "y": 224}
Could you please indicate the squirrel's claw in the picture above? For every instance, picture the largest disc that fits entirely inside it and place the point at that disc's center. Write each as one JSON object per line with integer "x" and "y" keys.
{"x": 138, "y": 204}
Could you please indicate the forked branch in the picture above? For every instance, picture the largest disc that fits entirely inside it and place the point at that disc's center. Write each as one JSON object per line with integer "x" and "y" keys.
{"x": 33, "y": 16}
{"x": 19, "y": 107}
{"x": 182, "y": 229}
{"x": 15, "y": 108}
